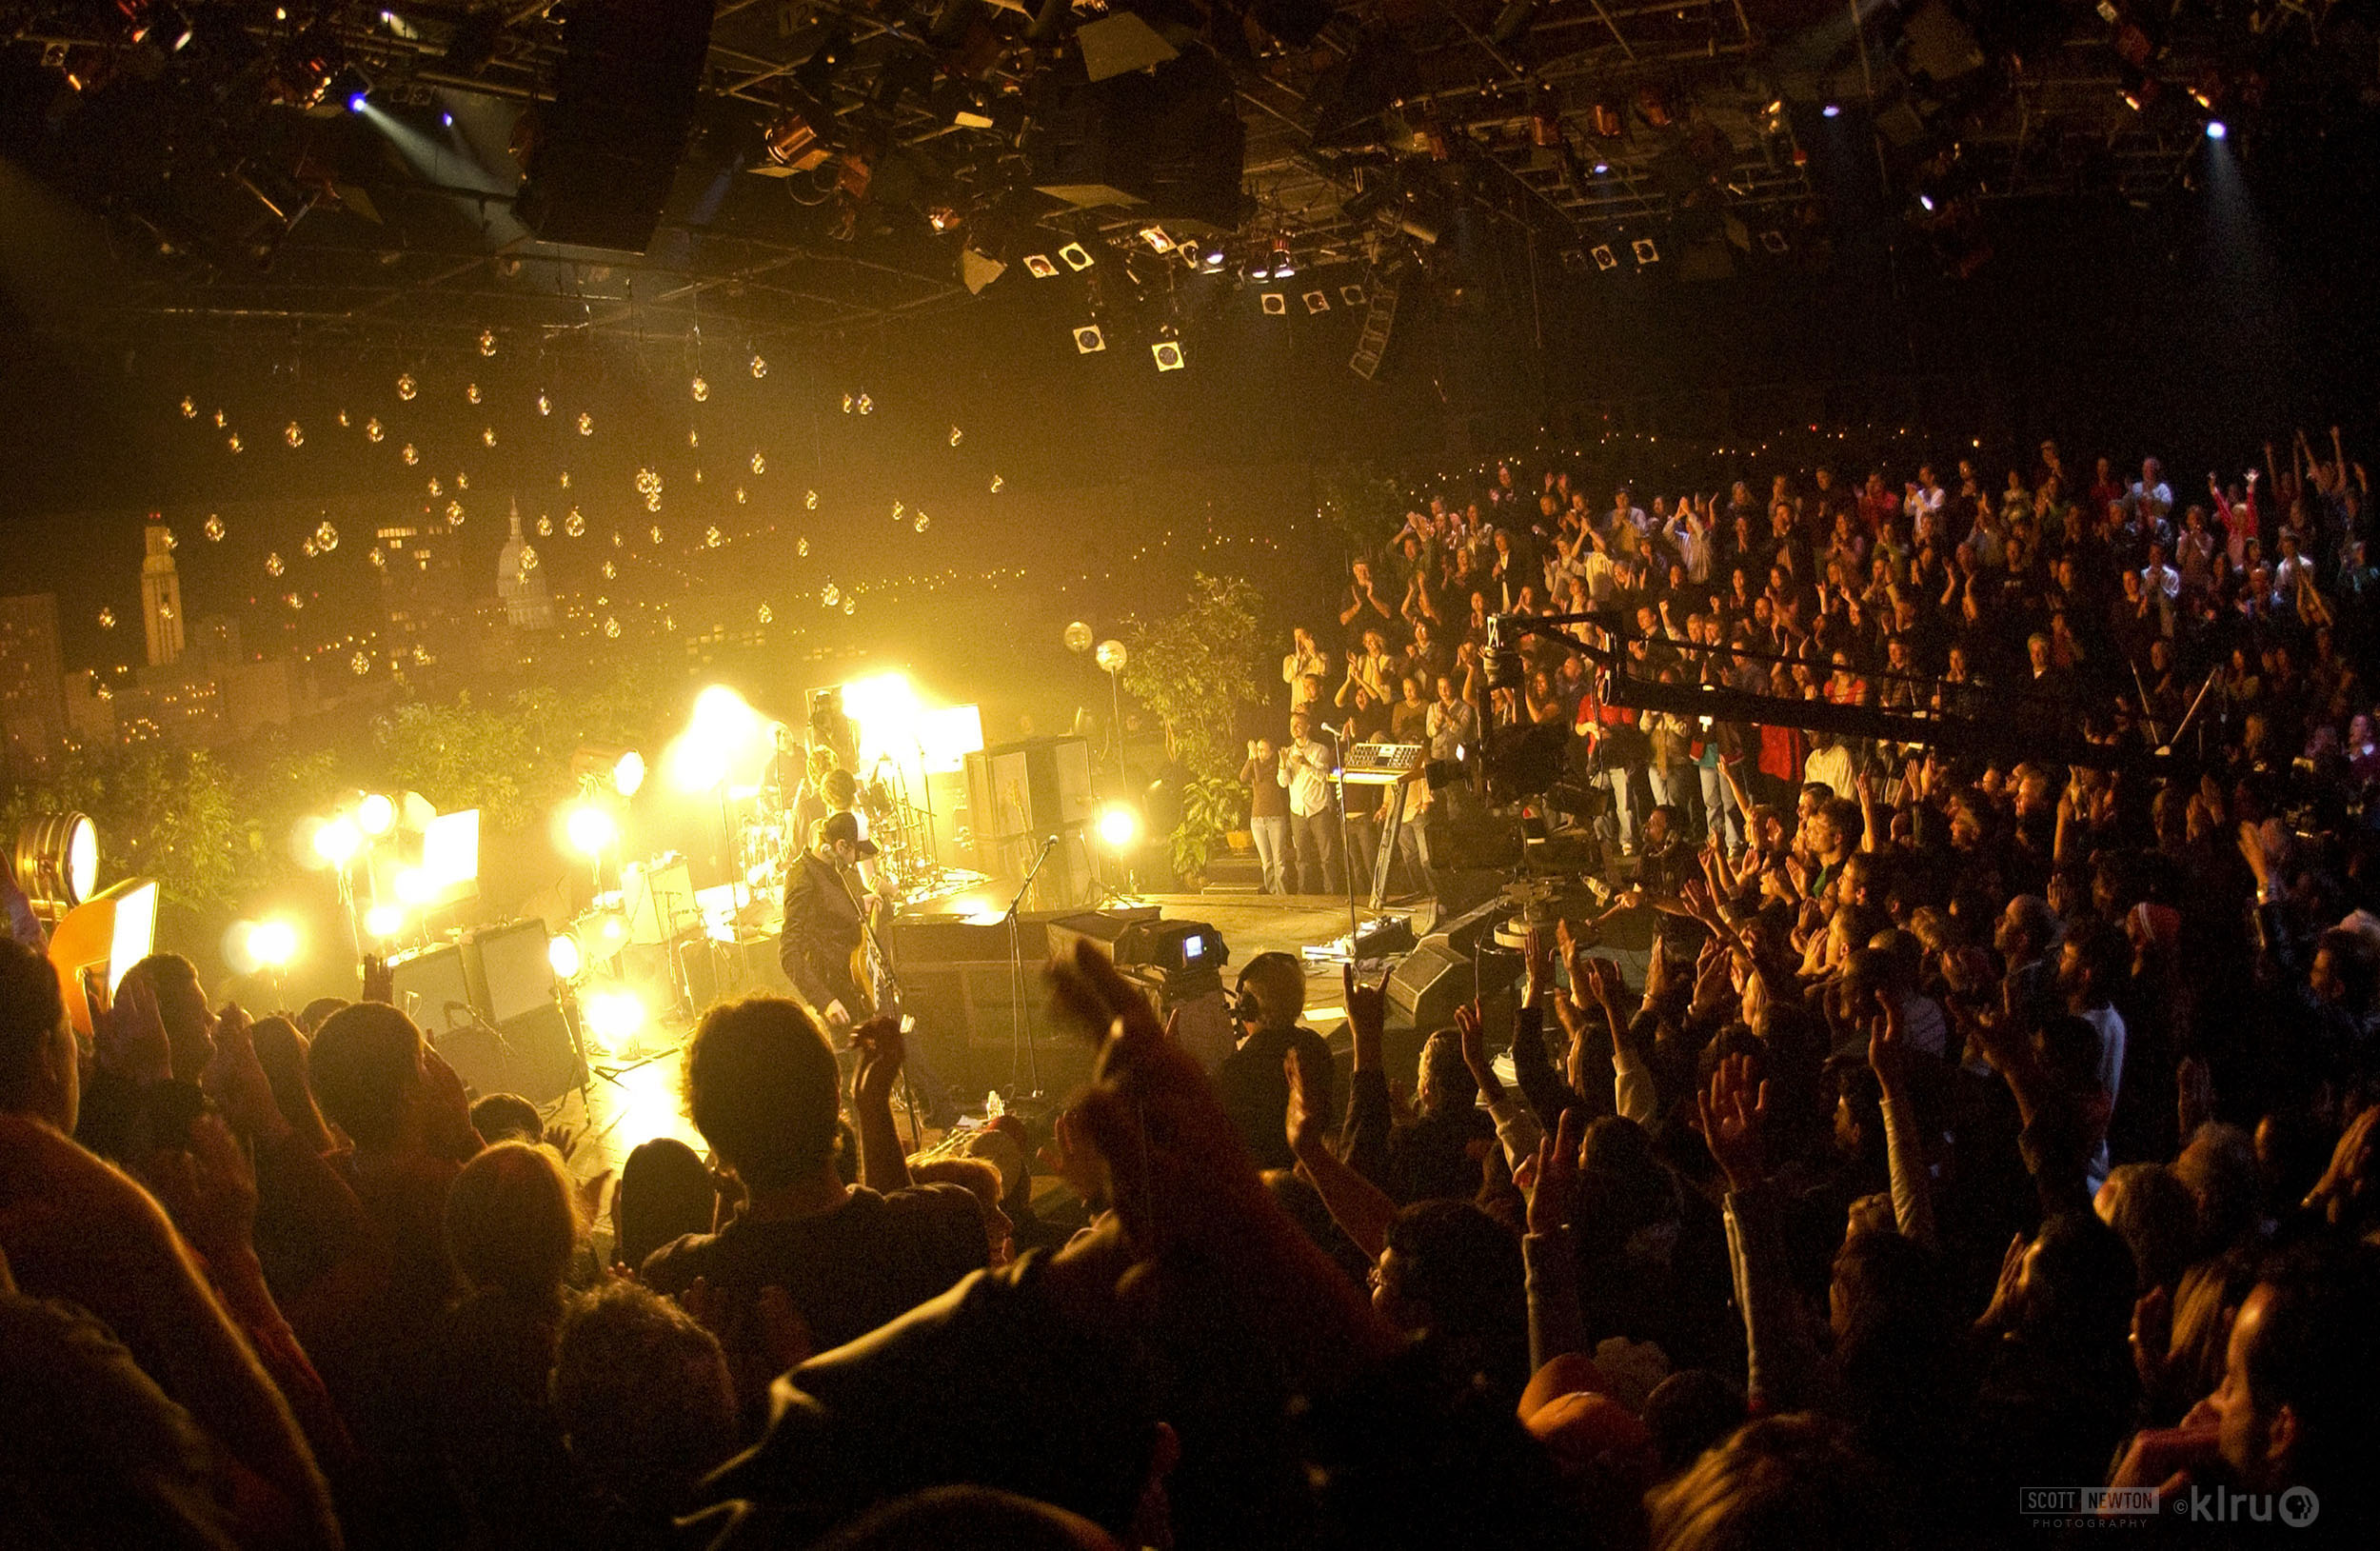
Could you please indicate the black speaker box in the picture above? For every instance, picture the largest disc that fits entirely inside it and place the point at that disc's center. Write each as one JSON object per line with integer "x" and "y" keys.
{"x": 606, "y": 151}
{"x": 507, "y": 969}
{"x": 532, "y": 1055}
{"x": 432, "y": 987}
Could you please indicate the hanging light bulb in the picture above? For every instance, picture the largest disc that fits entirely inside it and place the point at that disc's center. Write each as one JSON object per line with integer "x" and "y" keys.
{"x": 436, "y": 489}
{"x": 219, "y": 420}
{"x": 611, "y": 572}
{"x": 802, "y": 548}
{"x": 293, "y": 434}
{"x": 586, "y": 424}
{"x": 760, "y": 464}
{"x": 309, "y": 548}
{"x": 656, "y": 532}
{"x": 233, "y": 442}
{"x": 810, "y": 501}
{"x": 920, "y": 524}
{"x": 766, "y": 616}
{"x": 454, "y": 512}
{"x": 741, "y": 496}
{"x": 997, "y": 482}
{"x": 711, "y": 538}
{"x": 326, "y": 537}
{"x": 378, "y": 557}
{"x": 406, "y": 386}
{"x": 190, "y": 407}
{"x": 545, "y": 525}
{"x": 361, "y": 663}
{"x": 832, "y": 596}
{"x": 214, "y": 528}
{"x": 611, "y": 629}
{"x": 470, "y": 390}
{"x": 544, "y": 404}
{"x": 702, "y": 390}
{"x": 528, "y": 559}
{"x": 371, "y": 429}
{"x": 462, "y": 480}
{"x": 488, "y": 436}
{"x": 956, "y": 435}
{"x": 411, "y": 457}
{"x": 847, "y": 403}
{"x": 107, "y": 619}
{"x": 293, "y": 600}
{"x": 566, "y": 479}
{"x": 574, "y": 525}
{"x": 487, "y": 344}
{"x": 693, "y": 437}
{"x": 851, "y": 606}
{"x": 342, "y": 420}
{"x": 867, "y": 403}
{"x": 272, "y": 563}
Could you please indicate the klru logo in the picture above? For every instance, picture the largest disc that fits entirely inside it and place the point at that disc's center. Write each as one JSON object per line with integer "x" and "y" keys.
{"x": 2295, "y": 1507}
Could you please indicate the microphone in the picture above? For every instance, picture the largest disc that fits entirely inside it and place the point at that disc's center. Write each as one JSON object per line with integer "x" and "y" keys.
{"x": 1325, "y": 727}
{"x": 1050, "y": 843}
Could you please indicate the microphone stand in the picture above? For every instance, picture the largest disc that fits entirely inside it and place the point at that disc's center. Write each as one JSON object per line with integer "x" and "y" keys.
{"x": 1019, "y": 1028}
{"x": 1346, "y": 845}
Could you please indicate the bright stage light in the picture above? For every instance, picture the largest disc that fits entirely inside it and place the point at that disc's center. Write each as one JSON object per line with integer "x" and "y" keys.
{"x": 376, "y": 815}
{"x": 609, "y": 765}
{"x": 1832, "y": 109}
{"x": 627, "y": 773}
{"x": 601, "y": 936}
{"x": 562, "y": 953}
{"x": 1119, "y": 826}
{"x": 338, "y": 841}
{"x": 272, "y": 944}
{"x": 414, "y": 886}
{"x": 885, "y": 711}
{"x": 2216, "y": 129}
{"x": 615, "y": 1014}
{"x": 592, "y": 831}
{"x": 57, "y": 860}
{"x": 694, "y": 764}
{"x": 385, "y": 920}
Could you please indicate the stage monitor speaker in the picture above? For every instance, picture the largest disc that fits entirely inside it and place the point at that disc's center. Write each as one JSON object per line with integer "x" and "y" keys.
{"x": 1032, "y": 789}
{"x": 431, "y": 987}
{"x": 603, "y": 154}
{"x": 717, "y": 971}
{"x": 1103, "y": 929}
{"x": 531, "y": 1055}
{"x": 507, "y": 970}
{"x": 1436, "y": 977}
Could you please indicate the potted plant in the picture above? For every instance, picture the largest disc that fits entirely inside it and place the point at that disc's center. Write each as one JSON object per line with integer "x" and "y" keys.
{"x": 1212, "y": 811}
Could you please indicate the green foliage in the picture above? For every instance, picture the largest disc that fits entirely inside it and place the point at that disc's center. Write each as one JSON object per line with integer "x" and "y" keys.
{"x": 511, "y": 762}
{"x": 164, "y": 813}
{"x": 1361, "y": 501}
{"x": 1199, "y": 669}
{"x": 1211, "y": 809}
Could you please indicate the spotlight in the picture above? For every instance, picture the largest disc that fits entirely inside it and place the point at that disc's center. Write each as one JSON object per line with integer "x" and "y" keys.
{"x": 385, "y": 920}
{"x": 592, "y": 831}
{"x": 615, "y": 1014}
{"x": 1283, "y": 265}
{"x": 1078, "y": 257}
{"x": 1214, "y": 259}
{"x": 562, "y": 953}
{"x": 1274, "y": 303}
{"x": 1088, "y": 340}
{"x": 1040, "y": 268}
{"x": 445, "y": 121}
{"x": 414, "y": 886}
{"x": 376, "y": 815}
{"x": 1318, "y": 301}
{"x": 599, "y": 936}
{"x": 58, "y": 861}
{"x": 1645, "y": 251}
{"x": 1832, "y": 109}
{"x": 1926, "y": 202}
{"x": 272, "y": 945}
{"x": 794, "y": 144}
{"x": 1119, "y": 826}
{"x": 1168, "y": 354}
{"x": 1156, "y": 239}
{"x": 338, "y": 841}
{"x": 2218, "y": 130}
{"x": 619, "y": 769}
{"x": 1601, "y": 168}
{"x": 355, "y": 103}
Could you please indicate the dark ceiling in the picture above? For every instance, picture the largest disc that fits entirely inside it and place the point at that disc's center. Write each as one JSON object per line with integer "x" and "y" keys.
{"x": 358, "y": 167}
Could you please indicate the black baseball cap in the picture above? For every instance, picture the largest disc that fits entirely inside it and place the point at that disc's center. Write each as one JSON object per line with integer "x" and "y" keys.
{"x": 844, "y": 826}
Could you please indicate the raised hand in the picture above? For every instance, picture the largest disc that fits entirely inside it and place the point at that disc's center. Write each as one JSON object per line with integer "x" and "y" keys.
{"x": 1475, "y": 1056}
{"x": 1554, "y": 1195}
{"x": 882, "y": 1051}
{"x": 128, "y": 1036}
{"x": 380, "y": 982}
{"x": 1367, "y": 1017}
{"x": 1731, "y": 1112}
{"x": 1888, "y": 1044}
{"x": 235, "y": 1079}
{"x": 1302, "y": 1121}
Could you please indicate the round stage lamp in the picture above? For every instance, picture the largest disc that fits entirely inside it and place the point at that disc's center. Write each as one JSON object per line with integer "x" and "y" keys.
{"x": 562, "y": 953}
{"x": 1119, "y": 826}
{"x": 385, "y": 921}
{"x": 272, "y": 945}
{"x": 600, "y": 935}
{"x": 615, "y": 1014}
{"x": 57, "y": 860}
{"x": 1112, "y": 656}
{"x": 1077, "y": 638}
{"x": 415, "y": 886}
{"x": 612, "y": 765}
{"x": 376, "y": 815}
{"x": 338, "y": 841}
{"x": 592, "y": 831}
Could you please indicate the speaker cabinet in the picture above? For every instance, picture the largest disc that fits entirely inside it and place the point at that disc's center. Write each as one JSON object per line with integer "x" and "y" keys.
{"x": 532, "y": 1055}
{"x": 432, "y": 987}
{"x": 507, "y": 970}
{"x": 603, "y": 154}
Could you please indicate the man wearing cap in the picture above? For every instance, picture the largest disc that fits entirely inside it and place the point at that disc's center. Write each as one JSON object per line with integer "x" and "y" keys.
{"x": 823, "y": 923}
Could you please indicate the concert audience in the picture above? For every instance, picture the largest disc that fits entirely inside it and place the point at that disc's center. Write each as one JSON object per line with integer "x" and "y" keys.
{"x": 1995, "y": 1121}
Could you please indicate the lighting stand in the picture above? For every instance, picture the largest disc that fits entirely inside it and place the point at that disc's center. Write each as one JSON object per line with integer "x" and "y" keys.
{"x": 1346, "y": 850}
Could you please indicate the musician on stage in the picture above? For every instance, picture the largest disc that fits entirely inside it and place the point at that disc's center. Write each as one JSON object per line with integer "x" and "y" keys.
{"x": 821, "y": 934}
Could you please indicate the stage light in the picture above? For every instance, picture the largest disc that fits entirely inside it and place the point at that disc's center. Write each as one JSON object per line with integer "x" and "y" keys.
{"x": 1832, "y": 111}
{"x": 338, "y": 841}
{"x": 1089, "y": 341}
{"x": 1926, "y": 201}
{"x": 562, "y": 953}
{"x": 1601, "y": 168}
{"x": 1168, "y": 355}
{"x": 385, "y": 920}
{"x": 1077, "y": 256}
{"x": 695, "y": 765}
{"x": 272, "y": 945}
{"x": 355, "y": 103}
{"x": 376, "y": 815}
{"x": 1214, "y": 260}
{"x": 1284, "y": 266}
{"x": 2218, "y": 130}
{"x": 592, "y": 831}
{"x": 793, "y": 145}
{"x": 601, "y": 935}
{"x": 1112, "y": 656}
{"x": 615, "y": 1014}
{"x": 609, "y": 764}
{"x": 414, "y": 886}
{"x": 445, "y": 120}
{"x": 57, "y": 860}
{"x": 1645, "y": 250}
{"x": 1119, "y": 826}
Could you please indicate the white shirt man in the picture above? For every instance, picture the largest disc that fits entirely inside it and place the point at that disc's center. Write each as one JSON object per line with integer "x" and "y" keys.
{"x": 1452, "y": 722}
{"x": 1924, "y": 499}
{"x": 2149, "y": 500}
{"x": 1304, "y": 658}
